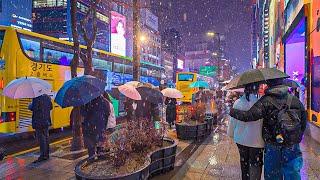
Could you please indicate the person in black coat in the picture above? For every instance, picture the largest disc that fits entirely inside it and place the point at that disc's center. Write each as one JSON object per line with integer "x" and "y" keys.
{"x": 264, "y": 108}
{"x": 95, "y": 114}
{"x": 171, "y": 109}
{"x": 41, "y": 121}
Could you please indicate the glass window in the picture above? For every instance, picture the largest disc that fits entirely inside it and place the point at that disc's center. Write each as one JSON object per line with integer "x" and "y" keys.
{"x": 1, "y": 37}
{"x": 128, "y": 69}
{"x": 144, "y": 71}
{"x": 57, "y": 57}
{"x": 102, "y": 64}
{"x": 185, "y": 77}
{"x": 118, "y": 67}
{"x": 31, "y": 47}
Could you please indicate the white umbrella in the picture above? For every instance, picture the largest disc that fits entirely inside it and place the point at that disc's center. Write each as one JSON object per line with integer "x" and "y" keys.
{"x": 27, "y": 87}
{"x": 129, "y": 91}
{"x": 172, "y": 93}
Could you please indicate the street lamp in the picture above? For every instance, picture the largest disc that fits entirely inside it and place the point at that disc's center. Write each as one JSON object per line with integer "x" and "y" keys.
{"x": 143, "y": 38}
{"x": 211, "y": 34}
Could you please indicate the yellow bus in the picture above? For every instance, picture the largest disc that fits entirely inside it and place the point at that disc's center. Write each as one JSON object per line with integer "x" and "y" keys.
{"x": 183, "y": 81}
{"x": 24, "y": 53}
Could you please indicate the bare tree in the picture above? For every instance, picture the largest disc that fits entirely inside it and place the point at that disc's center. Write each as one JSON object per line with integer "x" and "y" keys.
{"x": 75, "y": 117}
{"x": 86, "y": 57}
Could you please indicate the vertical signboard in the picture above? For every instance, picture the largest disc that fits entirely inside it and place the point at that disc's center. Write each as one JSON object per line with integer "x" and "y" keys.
{"x": 118, "y": 33}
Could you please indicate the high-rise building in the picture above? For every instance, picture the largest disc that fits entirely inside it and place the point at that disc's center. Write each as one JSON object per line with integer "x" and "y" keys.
{"x": 16, "y": 13}
{"x": 52, "y": 18}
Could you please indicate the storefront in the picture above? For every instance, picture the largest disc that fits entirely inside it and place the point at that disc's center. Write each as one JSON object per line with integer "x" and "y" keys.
{"x": 302, "y": 55}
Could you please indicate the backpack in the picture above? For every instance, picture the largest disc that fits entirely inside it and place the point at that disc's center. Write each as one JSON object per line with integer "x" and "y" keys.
{"x": 288, "y": 127}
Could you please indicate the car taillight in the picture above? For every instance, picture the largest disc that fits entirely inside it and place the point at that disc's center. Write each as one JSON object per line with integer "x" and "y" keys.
{"x": 8, "y": 116}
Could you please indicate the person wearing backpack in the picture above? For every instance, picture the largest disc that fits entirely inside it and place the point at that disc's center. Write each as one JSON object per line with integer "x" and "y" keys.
{"x": 284, "y": 122}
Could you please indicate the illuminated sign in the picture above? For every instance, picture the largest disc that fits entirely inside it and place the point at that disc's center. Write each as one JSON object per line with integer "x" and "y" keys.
{"x": 150, "y": 19}
{"x": 180, "y": 64}
{"x": 17, "y": 13}
{"x": 208, "y": 70}
{"x": 118, "y": 33}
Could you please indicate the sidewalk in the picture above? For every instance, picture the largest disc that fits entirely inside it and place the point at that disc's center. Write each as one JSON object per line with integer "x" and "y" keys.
{"x": 214, "y": 158}
{"x": 218, "y": 158}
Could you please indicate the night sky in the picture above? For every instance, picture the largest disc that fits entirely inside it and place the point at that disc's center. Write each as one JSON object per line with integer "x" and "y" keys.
{"x": 193, "y": 18}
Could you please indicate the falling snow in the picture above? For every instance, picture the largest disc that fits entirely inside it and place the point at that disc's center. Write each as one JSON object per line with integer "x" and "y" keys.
{"x": 193, "y": 18}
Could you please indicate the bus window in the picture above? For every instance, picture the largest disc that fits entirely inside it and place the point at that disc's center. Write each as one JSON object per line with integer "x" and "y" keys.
{"x": 57, "y": 57}
{"x": 128, "y": 69}
{"x": 31, "y": 47}
{"x": 118, "y": 67}
{"x": 1, "y": 38}
{"x": 102, "y": 64}
{"x": 185, "y": 77}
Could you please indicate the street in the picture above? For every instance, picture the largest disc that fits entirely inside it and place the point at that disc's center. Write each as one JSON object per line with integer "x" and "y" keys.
{"x": 215, "y": 157}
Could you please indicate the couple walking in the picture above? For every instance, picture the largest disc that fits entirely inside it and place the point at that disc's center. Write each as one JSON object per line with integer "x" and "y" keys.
{"x": 268, "y": 131}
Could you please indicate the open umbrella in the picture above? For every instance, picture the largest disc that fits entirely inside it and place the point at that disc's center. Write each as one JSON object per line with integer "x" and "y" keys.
{"x": 150, "y": 94}
{"x": 27, "y": 87}
{"x": 133, "y": 83}
{"x": 129, "y": 91}
{"x": 199, "y": 84}
{"x": 79, "y": 91}
{"x": 172, "y": 93}
{"x": 256, "y": 76}
{"x": 291, "y": 83}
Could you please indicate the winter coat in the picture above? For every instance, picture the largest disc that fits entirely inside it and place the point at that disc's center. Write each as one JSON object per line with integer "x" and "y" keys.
{"x": 128, "y": 107}
{"x": 171, "y": 110}
{"x": 246, "y": 133}
{"x": 263, "y": 108}
{"x": 112, "y": 118}
{"x": 95, "y": 114}
{"x": 41, "y": 107}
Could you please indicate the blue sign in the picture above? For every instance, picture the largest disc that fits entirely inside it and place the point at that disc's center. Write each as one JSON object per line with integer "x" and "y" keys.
{"x": 127, "y": 78}
{"x": 153, "y": 81}
{"x": 16, "y": 13}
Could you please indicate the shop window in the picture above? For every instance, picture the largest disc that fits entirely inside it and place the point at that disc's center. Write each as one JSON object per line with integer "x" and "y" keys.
{"x": 102, "y": 64}
{"x": 128, "y": 69}
{"x": 31, "y": 47}
{"x": 118, "y": 67}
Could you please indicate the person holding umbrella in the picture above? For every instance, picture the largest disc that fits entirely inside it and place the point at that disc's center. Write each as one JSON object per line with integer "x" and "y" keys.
{"x": 248, "y": 136}
{"x": 96, "y": 114}
{"x": 171, "y": 111}
{"x": 284, "y": 122}
{"x": 41, "y": 121}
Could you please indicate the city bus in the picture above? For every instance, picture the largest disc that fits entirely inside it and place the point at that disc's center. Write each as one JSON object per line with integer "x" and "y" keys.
{"x": 24, "y": 53}
{"x": 183, "y": 81}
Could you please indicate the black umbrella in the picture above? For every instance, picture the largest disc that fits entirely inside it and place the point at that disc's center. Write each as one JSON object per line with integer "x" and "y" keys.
{"x": 291, "y": 83}
{"x": 256, "y": 76}
{"x": 150, "y": 94}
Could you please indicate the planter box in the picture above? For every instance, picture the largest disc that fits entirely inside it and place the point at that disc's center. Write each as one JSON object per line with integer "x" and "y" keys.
{"x": 188, "y": 132}
{"x": 160, "y": 161}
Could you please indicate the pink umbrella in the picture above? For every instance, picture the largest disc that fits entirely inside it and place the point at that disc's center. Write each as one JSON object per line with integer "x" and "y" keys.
{"x": 129, "y": 91}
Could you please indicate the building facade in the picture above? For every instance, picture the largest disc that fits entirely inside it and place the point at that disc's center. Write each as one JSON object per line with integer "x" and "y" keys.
{"x": 52, "y": 18}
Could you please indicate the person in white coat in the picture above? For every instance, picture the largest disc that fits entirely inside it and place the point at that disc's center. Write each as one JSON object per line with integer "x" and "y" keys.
{"x": 248, "y": 136}
{"x": 112, "y": 117}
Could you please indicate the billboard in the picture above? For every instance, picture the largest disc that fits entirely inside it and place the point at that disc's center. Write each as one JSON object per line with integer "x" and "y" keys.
{"x": 16, "y": 13}
{"x": 152, "y": 20}
{"x": 118, "y": 33}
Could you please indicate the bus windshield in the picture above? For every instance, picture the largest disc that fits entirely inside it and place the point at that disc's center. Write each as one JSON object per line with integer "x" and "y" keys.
{"x": 1, "y": 38}
{"x": 185, "y": 77}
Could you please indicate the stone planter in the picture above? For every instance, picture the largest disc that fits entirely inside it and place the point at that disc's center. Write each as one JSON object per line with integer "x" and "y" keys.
{"x": 159, "y": 161}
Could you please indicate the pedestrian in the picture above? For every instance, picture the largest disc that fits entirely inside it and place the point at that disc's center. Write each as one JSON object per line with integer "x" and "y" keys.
{"x": 130, "y": 106}
{"x": 112, "y": 117}
{"x": 95, "y": 114}
{"x": 41, "y": 121}
{"x": 171, "y": 111}
{"x": 284, "y": 122}
{"x": 248, "y": 136}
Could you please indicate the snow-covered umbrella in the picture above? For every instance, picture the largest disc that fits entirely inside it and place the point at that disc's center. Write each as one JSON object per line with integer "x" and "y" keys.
{"x": 172, "y": 93}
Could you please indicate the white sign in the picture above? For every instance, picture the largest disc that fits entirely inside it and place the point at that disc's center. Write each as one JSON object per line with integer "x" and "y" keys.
{"x": 180, "y": 64}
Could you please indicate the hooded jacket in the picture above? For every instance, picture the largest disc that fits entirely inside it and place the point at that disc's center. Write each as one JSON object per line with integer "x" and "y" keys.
{"x": 264, "y": 109}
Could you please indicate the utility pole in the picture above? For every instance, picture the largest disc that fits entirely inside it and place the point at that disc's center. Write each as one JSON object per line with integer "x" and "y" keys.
{"x": 136, "y": 42}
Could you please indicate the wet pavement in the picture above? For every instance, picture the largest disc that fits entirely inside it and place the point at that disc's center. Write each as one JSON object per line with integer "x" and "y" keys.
{"x": 215, "y": 157}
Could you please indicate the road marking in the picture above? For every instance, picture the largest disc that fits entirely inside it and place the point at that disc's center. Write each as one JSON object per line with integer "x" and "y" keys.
{"x": 36, "y": 148}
